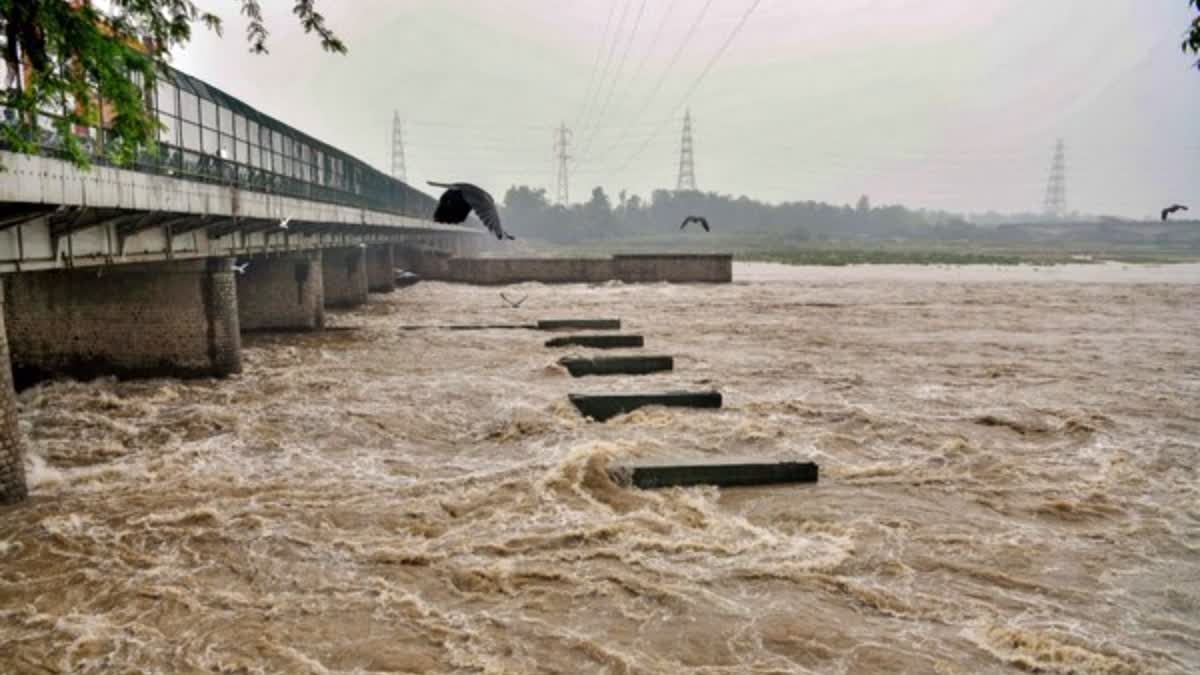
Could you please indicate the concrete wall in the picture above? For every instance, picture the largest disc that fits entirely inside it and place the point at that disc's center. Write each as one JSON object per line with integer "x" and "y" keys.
{"x": 517, "y": 270}
{"x": 161, "y": 319}
{"x": 679, "y": 269}
{"x": 427, "y": 264}
{"x": 344, "y": 273}
{"x": 627, "y": 268}
{"x": 282, "y": 293}
{"x": 381, "y": 269}
{"x": 12, "y": 460}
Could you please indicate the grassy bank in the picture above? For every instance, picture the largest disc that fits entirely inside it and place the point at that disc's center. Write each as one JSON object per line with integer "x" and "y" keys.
{"x": 884, "y": 253}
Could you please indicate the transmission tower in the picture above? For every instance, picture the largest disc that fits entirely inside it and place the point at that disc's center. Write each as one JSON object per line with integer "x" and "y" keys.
{"x": 399, "y": 172}
{"x": 1056, "y": 187}
{"x": 562, "y": 139}
{"x": 687, "y": 162}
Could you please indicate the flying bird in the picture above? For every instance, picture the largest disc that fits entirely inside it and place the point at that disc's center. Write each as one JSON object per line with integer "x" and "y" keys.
{"x": 1172, "y": 209}
{"x": 460, "y": 199}
{"x": 241, "y": 269}
{"x": 696, "y": 219}
{"x": 514, "y": 303}
{"x": 284, "y": 223}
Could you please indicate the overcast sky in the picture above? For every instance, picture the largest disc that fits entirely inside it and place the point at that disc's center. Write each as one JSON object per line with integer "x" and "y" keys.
{"x": 947, "y": 104}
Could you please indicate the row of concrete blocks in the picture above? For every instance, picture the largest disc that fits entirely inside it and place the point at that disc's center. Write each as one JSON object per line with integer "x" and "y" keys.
{"x": 177, "y": 318}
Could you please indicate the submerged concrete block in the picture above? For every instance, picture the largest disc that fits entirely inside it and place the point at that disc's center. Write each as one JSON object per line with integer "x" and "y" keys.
{"x": 722, "y": 473}
{"x": 617, "y": 365}
{"x": 579, "y": 324}
{"x": 597, "y": 341}
{"x": 602, "y": 407}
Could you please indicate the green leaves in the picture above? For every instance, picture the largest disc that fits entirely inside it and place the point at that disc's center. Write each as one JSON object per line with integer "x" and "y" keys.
{"x": 1192, "y": 42}
{"x": 86, "y": 76}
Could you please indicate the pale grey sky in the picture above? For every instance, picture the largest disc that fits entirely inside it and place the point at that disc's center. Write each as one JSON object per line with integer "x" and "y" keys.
{"x": 946, "y": 104}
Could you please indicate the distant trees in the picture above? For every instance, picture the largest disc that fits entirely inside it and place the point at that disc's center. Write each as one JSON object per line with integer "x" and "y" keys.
{"x": 530, "y": 214}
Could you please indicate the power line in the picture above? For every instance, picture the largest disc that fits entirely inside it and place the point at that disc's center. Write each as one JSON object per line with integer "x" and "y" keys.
{"x": 666, "y": 70}
{"x": 587, "y": 93}
{"x": 637, "y": 22}
{"x": 612, "y": 51}
{"x": 700, "y": 78}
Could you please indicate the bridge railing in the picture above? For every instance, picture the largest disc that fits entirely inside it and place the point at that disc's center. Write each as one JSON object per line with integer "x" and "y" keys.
{"x": 209, "y": 136}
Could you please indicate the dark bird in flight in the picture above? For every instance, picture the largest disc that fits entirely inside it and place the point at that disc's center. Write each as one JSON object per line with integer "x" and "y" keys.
{"x": 696, "y": 219}
{"x": 514, "y": 303}
{"x": 460, "y": 199}
{"x": 1172, "y": 209}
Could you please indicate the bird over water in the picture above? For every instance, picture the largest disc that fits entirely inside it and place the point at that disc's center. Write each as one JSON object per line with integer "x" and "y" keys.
{"x": 460, "y": 199}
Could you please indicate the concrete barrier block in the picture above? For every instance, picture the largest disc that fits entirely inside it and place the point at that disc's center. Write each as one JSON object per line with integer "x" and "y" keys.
{"x": 597, "y": 341}
{"x": 579, "y": 324}
{"x": 722, "y": 473}
{"x": 603, "y": 407}
{"x": 617, "y": 365}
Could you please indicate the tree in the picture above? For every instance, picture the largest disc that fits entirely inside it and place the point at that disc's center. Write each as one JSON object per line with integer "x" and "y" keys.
{"x": 75, "y": 64}
{"x": 864, "y": 204}
{"x": 1192, "y": 42}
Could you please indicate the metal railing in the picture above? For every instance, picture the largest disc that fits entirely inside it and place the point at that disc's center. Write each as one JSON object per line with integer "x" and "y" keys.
{"x": 231, "y": 143}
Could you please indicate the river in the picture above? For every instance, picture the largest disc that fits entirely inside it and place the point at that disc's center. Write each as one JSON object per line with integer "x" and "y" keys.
{"x": 1009, "y": 483}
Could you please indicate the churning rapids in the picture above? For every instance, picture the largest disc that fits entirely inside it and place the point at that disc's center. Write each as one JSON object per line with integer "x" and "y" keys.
{"x": 1009, "y": 483}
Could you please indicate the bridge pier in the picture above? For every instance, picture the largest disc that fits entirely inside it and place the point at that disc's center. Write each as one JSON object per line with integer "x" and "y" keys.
{"x": 12, "y": 459}
{"x": 381, "y": 268}
{"x": 176, "y": 318}
{"x": 344, "y": 273}
{"x": 283, "y": 292}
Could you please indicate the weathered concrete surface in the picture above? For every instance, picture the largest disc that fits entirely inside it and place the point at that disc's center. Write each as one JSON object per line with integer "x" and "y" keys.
{"x": 617, "y": 365}
{"x": 282, "y": 293}
{"x": 602, "y": 407}
{"x": 381, "y": 268}
{"x": 597, "y": 341}
{"x": 12, "y": 456}
{"x": 162, "y": 319}
{"x": 652, "y": 474}
{"x": 680, "y": 269}
{"x": 650, "y": 268}
{"x": 585, "y": 324}
{"x": 344, "y": 275}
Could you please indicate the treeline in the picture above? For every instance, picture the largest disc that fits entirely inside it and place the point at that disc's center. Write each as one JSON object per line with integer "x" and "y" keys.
{"x": 529, "y": 213}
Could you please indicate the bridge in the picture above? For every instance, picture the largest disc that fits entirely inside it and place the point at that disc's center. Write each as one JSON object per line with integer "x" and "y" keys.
{"x": 141, "y": 270}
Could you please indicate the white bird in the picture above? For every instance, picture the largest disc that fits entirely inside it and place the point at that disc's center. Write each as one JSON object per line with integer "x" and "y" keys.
{"x": 241, "y": 269}
{"x": 283, "y": 223}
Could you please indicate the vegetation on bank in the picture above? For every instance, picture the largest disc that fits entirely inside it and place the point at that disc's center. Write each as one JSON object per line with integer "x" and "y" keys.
{"x": 850, "y": 252}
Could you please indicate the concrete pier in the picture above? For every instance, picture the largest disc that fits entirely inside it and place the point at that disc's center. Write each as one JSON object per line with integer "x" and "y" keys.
{"x": 603, "y": 407}
{"x": 381, "y": 268}
{"x": 160, "y": 319}
{"x": 12, "y": 456}
{"x": 344, "y": 274}
{"x": 282, "y": 293}
{"x": 597, "y": 341}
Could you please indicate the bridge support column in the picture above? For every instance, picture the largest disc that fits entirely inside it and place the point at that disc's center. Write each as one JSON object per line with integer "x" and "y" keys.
{"x": 344, "y": 272}
{"x": 12, "y": 459}
{"x": 173, "y": 319}
{"x": 381, "y": 269}
{"x": 282, "y": 293}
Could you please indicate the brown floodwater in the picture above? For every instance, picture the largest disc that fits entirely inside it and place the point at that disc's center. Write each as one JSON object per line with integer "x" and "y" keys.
{"x": 1009, "y": 484}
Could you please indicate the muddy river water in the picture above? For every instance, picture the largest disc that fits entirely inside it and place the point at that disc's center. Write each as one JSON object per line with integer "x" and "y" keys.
{"x": 1009, "y": 484}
